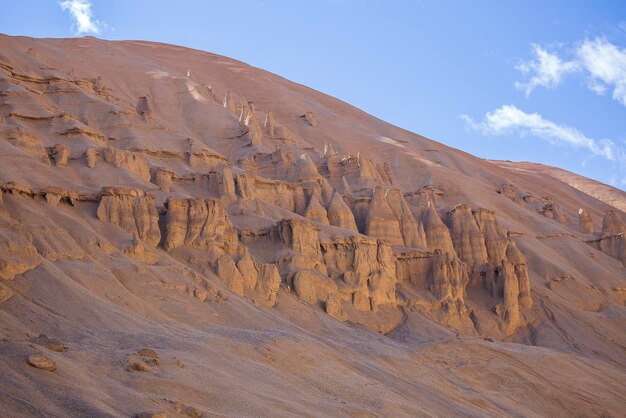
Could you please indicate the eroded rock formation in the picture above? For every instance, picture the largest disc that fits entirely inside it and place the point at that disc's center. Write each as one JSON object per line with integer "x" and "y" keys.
{"x": 133, "y": 210}
{"x": 198, "y": 223}
{"x": 339, "y": 214}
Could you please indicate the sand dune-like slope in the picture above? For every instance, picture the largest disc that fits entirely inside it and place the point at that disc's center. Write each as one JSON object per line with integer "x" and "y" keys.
{"x": 184, "y": 234}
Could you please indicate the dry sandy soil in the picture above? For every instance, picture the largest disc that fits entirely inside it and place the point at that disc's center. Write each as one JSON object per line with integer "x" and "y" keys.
{"x": 182, "y": 233}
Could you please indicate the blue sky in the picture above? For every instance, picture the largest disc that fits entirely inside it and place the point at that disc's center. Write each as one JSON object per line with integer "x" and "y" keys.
{"x": 518, "y": 80}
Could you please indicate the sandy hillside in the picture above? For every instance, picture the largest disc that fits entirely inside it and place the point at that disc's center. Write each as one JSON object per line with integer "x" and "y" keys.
{"x": 182, "y": 233}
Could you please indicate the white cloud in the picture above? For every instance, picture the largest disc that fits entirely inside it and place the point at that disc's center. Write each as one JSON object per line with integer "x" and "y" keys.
{"x": 606, "y": 65}
{"x": 83, "y": 16}
{"x": 602, "y": 62}
{"x": 508, "y": 119}
{"x": 546, "y": 71}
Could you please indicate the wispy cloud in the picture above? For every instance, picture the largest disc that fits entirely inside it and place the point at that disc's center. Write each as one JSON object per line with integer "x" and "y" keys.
{"x": 603, "y": 63}
{"x": 546, "y": 70}
{"x": 83, "y": 16}
{"x": 508, "y": 119}
{"x": 606, "y": 65}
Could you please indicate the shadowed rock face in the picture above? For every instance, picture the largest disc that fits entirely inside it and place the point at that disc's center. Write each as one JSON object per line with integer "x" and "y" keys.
{"x": 231, "y": 220}
{"x": 612, "y": 224}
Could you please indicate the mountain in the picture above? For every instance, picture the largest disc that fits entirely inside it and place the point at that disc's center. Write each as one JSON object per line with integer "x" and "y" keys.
{"x": 182, "y": 233}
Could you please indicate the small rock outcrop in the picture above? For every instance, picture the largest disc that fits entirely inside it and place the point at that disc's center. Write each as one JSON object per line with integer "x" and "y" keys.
{"x": 39, "y": 361}
{"x": 133, "y": 210}
{"x": 381, "y": 222}
{"x": 61, "y": 155}
{"x": 258, "y": 281}
{"x": 437, "y": 233}
{"x": 316, "y": 212}
{"x": 412, "y": 231}
{"x": 585, "y": 223}
{"x": 144, "y": 108}
{"x": 339, "y": 214}
{"x": 17, "y": 254}
{"x": 310, "y": 118}
{"x": 612, "y": 224}
{"x": 163, "y": 178}
{"x": 200, "y": 224}
{"x": 553, "y": 211}
{"x": 612, "y": 239}
{"x": 127, "y": 160}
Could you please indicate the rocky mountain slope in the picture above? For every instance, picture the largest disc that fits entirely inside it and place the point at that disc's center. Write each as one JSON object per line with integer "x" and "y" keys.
{"x": 183, "y": 233}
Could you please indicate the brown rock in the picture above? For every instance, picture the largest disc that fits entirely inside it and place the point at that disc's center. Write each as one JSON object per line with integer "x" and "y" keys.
{"x": 61, "y": 154}
{"x": 339, "y": 214}
{"x": 17, "y": 254}
{"x": 301, "y": 237}
{"x": 136, "y": 164}
{"x": 612, "y": 224}
{"x": 150, "y": 414}
{"x": 137, "y": 365}
{"x": 510, "y": 297}
{"x": 229, "y": 273}
{"x": 148, "y": 352}
{"x": 381, "y": 222}
{"x": 412, "y": 234}
{"x": 517, "y": 259}
{"x": 270, "y": 124}
{"x": 229, "y": 102}
{"x": 42, "y": 362}
{"x": 310, "y": 118}
{"x": 553, "y": 211}
{"x": 311, "y": 286}
{"x": 585, "y": 223}
{"x": 198, "y": 223}
{"x": 316, "y": 212}
{"x": 132, "y": 210}
{"x": 437, "y": 234}
{"x": 5, "y": 293}
{"x": 144, "y": 107}
{"x": 467, "y": 238}
{"x": 163, "y": 179}
{"x": 92, "y": 155}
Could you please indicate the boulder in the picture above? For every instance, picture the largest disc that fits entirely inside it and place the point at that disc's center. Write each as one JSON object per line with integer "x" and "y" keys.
{"x": 39, "y": 361}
